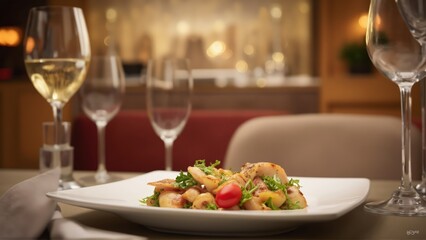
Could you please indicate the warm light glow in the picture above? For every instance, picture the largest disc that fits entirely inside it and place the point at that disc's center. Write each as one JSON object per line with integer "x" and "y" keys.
{"x": 215, "y": 49}
{"x": 278, "y": 57}
{"x": 107, "y": 40}
{"x": 219, "y": 26}
{"x": 276, "y": 12}
{"x": 10, "y": 36}
{"x": 248, "y": 49}
{"x": 111, "y": 14}
{"x": 261, "y": 82}
{"x": 241, "y": 66}
{"x": 228, "y": 54}
{"x": 30, "y": 44}
{"x": 182, "y": 28}
{"x": 378, "y": 22}
{"x": 363, "y": 21}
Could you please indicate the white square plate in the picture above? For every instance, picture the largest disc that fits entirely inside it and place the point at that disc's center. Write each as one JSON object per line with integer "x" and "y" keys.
{"x": 328, "y": 199}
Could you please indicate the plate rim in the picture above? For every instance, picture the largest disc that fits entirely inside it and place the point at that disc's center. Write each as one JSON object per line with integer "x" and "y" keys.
{"x": 58, "y": 196}
{"x": 285, "y": 216}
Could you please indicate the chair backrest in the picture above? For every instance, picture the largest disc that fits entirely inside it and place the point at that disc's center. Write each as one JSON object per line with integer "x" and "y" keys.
{"x": 325, "y": 145}
{"x": 132, "y": 145}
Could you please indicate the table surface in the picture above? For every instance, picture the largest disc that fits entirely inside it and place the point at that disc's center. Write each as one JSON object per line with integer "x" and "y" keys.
{"x": 356, "y": 224}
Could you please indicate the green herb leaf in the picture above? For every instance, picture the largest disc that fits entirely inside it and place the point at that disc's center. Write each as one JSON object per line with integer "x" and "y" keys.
{"x": 274, "y": 184}
{"x": 187, "y": 205}
{"x": 271, "y": 205}
{"x": 185, "y": 180}
{"x": 209, "y": 170}
{"x": 223, "y": 179}
{"x": 211, "y": 206}
{"x": 293, "y": 182}
{"x": 290, "y": 205}
{"x": 153, "y": 199}
{"x": 247, "y": 192}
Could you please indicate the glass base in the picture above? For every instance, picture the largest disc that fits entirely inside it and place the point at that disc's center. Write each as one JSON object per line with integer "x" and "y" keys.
{"x": 421, "y": 189}
{"x": 65, "y": 185}
{"x": 98, "y": 178}
{"x": 402, "y": 203}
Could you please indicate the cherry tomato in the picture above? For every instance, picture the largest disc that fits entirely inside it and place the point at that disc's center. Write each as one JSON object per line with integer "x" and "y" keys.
{"x": 228, "y": 196}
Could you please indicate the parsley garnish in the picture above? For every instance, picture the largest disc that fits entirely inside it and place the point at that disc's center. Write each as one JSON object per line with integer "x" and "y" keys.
{"x": 211, "y": 206}
{"x": 187, "y": 205}
{"x": 185, "y": 180}
{"x": 293, "y": 182}
{"x": 223, "y": 179}
{"x": 247, "y": 191}
{"x": 290, "y": 205}
{"x": 153, "y": 199}
{"x": 271, "y": 205}
{"x": 209, "y": 170}
{"x": 274, "y": 184}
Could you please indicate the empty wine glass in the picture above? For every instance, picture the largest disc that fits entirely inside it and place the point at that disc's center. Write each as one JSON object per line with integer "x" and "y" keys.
{"x": 396, "y": 54}
{"x": 414, "y": 14}
{"x": 56, "y": 56}
{"x": 101, "y": 97}
{"x": 169, "y": 89}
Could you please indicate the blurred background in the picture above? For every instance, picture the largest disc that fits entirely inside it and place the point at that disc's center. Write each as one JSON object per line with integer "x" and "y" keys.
{"x": 297, "y": 56}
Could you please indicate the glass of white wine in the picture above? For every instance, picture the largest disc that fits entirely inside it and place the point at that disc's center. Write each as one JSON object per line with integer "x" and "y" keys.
{"x": 56, "y": 54}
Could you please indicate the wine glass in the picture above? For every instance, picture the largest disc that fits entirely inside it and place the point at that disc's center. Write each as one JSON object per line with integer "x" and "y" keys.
{"x": 101, "y": 97}
{"x": 57, "y": 55}
{"x": 396, "y": 54}
{"x": 414, "y": 14}
{"x": 169, "y": 88}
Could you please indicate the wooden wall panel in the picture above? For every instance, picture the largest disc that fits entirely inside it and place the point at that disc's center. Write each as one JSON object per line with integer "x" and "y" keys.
{"x": 23, "y": 111}
{"x": 343, "y": 92}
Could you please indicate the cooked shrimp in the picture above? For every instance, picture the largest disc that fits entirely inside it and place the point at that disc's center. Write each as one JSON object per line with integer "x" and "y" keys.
{"x": 264, "y": 194}
{"x": 209, "y": 181}
{"x": 261, "y": 169}
{"x": 255, "y": 203}
{"x": 260, "y": 184}
{"x": 165, "y": 184}
{"x": 191, "y": 194}
{"x": 238, "y": 178}
{"x": 277, "y": 197}
{"x": 203, "y": 200}
{"x": 224, "y": 172}
{"x": 171, "y": 199}
{"x": 296, "y": 196}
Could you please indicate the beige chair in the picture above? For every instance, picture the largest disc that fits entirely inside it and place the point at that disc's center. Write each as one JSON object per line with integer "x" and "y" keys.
{"x": 325, "y": 145}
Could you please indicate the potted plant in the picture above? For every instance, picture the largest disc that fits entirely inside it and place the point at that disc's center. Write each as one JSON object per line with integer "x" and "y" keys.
{"x": 356, "y": 57}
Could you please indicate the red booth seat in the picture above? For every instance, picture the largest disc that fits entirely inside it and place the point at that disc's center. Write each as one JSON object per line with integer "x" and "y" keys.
{"x": 132, "y": 145}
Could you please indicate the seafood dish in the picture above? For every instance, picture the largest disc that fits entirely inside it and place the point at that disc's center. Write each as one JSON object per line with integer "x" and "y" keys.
{"x": 257, "y": 186}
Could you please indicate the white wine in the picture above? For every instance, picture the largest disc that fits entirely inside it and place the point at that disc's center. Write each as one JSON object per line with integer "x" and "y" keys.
{"x": 57, "y": 79}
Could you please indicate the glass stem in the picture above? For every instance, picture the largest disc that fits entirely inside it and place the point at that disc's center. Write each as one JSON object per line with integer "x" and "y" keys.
{"x": 406, "y": 181}
{"x": 423, "y": 113}
{"x": 57, "y": 117}
{"x": 100, "y": 125}
{"x": 168, "y": 144}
